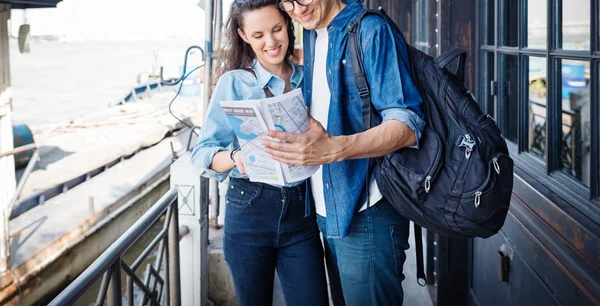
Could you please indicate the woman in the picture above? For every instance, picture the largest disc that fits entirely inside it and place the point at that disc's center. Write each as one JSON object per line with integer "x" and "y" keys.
{"x": 265, "y": 226}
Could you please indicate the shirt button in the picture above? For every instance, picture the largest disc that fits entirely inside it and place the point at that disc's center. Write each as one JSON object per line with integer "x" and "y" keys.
{"x": 326, "y": 185}
{"x": 330, "y": 45}
{"x": 329, "y": 71}
{"x": 344, "y": 61}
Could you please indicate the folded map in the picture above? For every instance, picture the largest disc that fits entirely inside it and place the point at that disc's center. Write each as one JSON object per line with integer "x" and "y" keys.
{"x": 250, "y": 119}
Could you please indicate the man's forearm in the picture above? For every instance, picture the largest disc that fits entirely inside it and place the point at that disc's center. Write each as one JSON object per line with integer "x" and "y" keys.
{"x": 383, "y": 139}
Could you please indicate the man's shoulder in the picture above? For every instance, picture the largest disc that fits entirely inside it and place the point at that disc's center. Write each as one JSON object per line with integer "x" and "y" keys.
{"x": 372, "y": 22}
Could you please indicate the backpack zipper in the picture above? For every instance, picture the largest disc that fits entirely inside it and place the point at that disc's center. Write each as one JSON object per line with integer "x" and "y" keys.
{"x": 461, "y": 106}
{"x": 464, "y": 102}
{"x": 435, "y": 168}
{"x": 467, "y": 142}
{"x": 479, "y": 192}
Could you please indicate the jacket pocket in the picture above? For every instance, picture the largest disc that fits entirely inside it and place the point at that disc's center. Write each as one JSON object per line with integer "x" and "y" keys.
{"x": 343, "y": 87}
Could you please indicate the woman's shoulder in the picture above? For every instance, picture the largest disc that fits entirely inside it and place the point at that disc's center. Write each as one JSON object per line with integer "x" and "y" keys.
{"x": 238, "y": 77}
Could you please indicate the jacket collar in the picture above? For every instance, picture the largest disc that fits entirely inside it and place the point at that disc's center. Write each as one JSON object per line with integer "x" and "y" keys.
{"x": 347, "y": 14}
{"x": 264, "y": 77}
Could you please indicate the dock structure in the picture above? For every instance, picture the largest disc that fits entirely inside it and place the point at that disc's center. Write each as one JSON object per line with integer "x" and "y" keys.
{"x": 57, "y": 238}
{"x": 7, "y": 163}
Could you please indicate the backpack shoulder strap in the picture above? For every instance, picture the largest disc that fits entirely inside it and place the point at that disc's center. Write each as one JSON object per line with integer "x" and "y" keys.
{"x": 356, "y": 57}
{"x": 360, "y": 78}
{"x": 266, "y": 88}
{"x": 358, "y": 69}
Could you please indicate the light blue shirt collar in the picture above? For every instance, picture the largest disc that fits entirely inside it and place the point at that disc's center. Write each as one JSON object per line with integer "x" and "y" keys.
{"x": 266, "y": 78}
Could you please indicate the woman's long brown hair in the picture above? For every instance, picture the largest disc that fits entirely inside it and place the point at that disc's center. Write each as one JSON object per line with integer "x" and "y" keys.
{"x": 237, "y": 54}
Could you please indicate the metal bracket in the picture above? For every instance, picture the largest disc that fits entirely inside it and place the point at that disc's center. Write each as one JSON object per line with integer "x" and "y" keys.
{"x": 176, "y": 81}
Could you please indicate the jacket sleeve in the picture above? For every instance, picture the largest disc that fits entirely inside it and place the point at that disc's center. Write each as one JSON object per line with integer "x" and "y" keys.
{"x": 393, "y": 92}
{"x": 216, "y": 133}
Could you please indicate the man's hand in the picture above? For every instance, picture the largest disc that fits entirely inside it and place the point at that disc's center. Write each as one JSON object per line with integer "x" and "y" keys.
{"x": 312, "y": 148}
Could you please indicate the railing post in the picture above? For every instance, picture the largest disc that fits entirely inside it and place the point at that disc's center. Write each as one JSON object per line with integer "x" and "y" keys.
{"x": 193, "y": 213}
{"x": 114, "y": 288}
{"x": 174, "y": 269}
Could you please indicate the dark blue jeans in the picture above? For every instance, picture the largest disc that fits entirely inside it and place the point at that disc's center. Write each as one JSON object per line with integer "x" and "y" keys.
{"x": 365, "y": 267}
{"x": 265, "y": 229}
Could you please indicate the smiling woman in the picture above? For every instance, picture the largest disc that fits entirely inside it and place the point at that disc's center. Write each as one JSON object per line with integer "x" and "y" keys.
{"x": 267, "y": 227}
{"x": 247, "y": 34}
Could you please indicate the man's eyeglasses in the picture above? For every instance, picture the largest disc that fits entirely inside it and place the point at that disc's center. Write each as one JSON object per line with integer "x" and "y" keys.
{"x": 285, "y": 5}
{"x": 288, "y": 5}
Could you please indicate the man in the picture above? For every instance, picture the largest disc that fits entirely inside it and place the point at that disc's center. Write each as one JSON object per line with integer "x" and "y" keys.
{"x": 365, "y": 241}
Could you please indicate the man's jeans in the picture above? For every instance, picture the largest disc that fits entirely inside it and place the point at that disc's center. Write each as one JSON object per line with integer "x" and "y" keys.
{"x": 265, "y": 229}
{"x": 367, "y": 264}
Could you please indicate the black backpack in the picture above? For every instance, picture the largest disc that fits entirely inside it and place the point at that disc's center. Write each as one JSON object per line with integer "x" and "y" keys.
{"x": 459, "y": 182}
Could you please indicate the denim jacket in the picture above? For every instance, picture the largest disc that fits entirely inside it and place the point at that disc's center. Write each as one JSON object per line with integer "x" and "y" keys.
{"x": 393, "y": 94}
{"x": 216, "y": 134}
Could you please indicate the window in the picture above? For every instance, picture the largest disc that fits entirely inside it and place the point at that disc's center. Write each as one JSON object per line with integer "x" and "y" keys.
{"x": 420, "y": 25}
{"x": 540, "y": 80}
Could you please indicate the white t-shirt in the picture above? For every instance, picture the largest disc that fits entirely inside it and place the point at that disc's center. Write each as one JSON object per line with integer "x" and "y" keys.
{"x": 319, "y": 109}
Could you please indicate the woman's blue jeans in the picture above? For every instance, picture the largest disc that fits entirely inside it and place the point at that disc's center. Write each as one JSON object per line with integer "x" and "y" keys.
{"x": 266, "y": 230}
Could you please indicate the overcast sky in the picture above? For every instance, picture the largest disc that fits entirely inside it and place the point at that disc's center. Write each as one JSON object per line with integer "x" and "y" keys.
{"x": 116, "y": 19}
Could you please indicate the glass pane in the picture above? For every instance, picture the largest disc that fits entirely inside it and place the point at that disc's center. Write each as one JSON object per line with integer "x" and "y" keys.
{"x": 420, "y": 25}
{"x": 487, "y": 101}
{"x": 510, "y": 23}
{"x": 490, "y": 14}
{"x": 510, "y": 100}
{"x": 576, "y": 25}
{"x": 537, "y": 107}
{"x": 536, "y": 24}
{"x": 576, "y": 125}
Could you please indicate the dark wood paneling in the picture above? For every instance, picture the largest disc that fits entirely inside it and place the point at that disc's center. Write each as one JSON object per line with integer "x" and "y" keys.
{"x": 562, "y": 251}
{"x": 524, "y": 288}
{"x": 457, "y": 29}
{"x": 399, "y": 10}
{"x": 583, "y": 238}
{"x": 546, "y": 268}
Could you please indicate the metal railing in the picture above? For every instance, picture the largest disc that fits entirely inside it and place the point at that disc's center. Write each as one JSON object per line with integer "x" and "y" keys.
{"x": 571, "y": 140}
{"x": 110, "y": 265}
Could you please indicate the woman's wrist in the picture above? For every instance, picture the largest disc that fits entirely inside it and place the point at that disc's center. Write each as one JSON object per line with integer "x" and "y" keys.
{"x": 232, "y": 154}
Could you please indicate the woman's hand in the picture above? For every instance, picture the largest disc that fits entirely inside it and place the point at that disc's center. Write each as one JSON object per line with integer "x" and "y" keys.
{"x": 238, "y": 158}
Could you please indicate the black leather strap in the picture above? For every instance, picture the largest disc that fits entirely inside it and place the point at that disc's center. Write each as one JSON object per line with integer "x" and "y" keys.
{"x": 421, "y": 278}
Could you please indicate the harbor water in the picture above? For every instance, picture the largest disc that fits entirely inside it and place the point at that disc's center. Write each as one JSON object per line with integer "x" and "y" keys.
{"x": 60, "y": 81}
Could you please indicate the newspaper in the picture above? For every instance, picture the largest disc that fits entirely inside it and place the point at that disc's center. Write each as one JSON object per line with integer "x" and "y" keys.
{"x": 250, "y": 119}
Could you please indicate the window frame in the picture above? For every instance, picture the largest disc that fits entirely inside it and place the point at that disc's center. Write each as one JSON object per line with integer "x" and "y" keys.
{"x": 567, "y": 188}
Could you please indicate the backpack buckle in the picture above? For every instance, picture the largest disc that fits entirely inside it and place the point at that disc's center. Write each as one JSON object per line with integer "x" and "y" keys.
{"x": 468, "y": 143}
{"x": 352, "y": 28}
{"x": 363, "y": 93}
